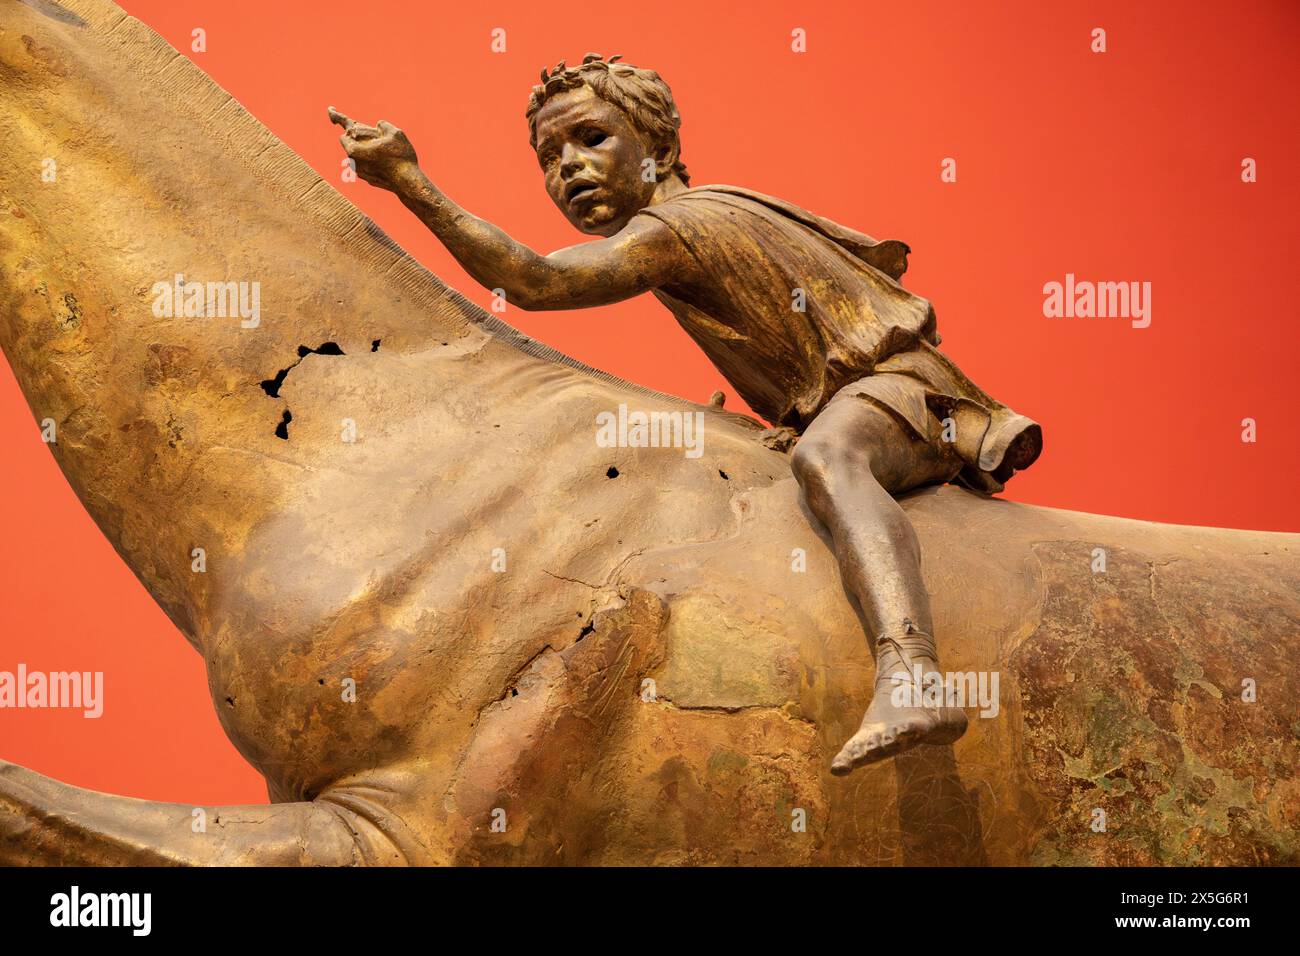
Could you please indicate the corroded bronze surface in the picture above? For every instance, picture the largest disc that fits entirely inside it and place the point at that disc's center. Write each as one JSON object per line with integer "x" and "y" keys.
{"x": 522, "y": 691}
{"x": 803, "y": 316}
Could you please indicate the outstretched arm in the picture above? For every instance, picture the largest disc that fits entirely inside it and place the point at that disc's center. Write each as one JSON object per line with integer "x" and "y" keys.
{"x": 643, "y": 256}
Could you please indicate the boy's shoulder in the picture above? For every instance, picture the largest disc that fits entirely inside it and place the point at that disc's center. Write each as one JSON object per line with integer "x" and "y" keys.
{"x": 717, "y": 200}
{"x": 721, "y": 192}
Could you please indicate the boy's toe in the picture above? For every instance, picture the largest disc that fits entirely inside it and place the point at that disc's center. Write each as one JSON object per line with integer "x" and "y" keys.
{"x": 862, "y": 748}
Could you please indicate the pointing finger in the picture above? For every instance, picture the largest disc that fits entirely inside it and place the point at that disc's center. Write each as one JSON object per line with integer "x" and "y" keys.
{"x": 340, "y": 119}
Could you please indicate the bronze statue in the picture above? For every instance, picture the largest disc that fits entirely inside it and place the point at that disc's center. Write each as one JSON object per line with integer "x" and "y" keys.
{"x": 447, "y": 626}
{"x": 803, "y": 316}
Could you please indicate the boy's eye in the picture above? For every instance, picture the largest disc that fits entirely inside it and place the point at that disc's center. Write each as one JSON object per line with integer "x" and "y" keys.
{"x": 593, "y": 137}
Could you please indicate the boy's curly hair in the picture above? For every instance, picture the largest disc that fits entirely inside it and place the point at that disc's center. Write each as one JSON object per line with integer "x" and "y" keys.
{"x": 644, "y": 98}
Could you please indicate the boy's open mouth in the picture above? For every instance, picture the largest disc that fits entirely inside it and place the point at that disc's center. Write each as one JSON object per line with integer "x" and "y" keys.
{"x": 577, "y": 189}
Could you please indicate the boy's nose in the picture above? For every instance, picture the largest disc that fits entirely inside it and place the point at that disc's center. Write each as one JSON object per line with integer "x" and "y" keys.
{"x": 570, "y": 162}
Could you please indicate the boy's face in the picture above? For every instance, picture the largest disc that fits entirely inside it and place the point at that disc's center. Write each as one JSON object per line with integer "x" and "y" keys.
{"x": 592, "y": 159}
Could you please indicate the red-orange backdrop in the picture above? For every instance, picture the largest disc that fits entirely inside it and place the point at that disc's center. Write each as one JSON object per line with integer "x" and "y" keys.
{"x": 1116, "y": 166}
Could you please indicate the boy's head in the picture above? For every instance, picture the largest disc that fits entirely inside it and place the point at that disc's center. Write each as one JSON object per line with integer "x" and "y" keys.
{"x": 594, "y": 127}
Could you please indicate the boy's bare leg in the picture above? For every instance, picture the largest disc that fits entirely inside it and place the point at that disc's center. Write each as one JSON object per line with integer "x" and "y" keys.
{"x": 850, "y": 462}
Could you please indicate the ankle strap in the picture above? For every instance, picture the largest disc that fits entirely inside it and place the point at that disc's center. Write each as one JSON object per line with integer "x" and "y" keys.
{"x": 906, "y": 645}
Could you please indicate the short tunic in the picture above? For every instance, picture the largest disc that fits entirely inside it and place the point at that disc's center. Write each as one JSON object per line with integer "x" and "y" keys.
{"x": 795, "y": 308}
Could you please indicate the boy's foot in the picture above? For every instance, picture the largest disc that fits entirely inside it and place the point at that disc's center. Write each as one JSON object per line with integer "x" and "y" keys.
{"x": 898, "y": 717}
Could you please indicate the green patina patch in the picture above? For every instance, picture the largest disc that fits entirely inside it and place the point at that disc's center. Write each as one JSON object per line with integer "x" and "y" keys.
{"x": 1124, "y": 716}
{"x": 719, "y": 661}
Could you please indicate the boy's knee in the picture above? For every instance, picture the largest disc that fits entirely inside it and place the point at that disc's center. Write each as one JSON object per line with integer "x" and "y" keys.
{"x": 818, "y": 461}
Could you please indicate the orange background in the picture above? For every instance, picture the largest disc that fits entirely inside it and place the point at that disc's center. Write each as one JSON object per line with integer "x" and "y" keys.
{"x": 1116, "y": 167}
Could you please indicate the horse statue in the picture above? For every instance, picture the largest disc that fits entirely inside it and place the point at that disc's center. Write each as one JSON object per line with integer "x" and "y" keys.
{"x": 448, "y": 626}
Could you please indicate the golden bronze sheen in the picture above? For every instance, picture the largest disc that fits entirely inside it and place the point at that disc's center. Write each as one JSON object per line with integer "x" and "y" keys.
{"x": 516, "y": 692}
{"x": 803, "y": 316}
